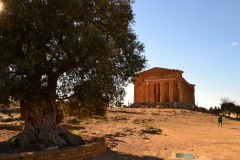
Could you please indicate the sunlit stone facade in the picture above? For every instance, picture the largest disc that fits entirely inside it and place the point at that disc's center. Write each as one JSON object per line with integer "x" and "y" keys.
{"x": 163, "y": 86}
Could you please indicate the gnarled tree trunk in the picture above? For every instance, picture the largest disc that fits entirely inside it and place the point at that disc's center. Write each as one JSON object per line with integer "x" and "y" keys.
{"x": 41, "y": 126}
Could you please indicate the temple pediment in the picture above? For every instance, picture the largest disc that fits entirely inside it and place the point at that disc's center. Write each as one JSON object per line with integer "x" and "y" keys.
{"x": 158, "y": 70}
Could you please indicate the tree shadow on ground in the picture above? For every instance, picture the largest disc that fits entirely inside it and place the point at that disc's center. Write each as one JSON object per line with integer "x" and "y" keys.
{"x": 114, "y": 155}
{"x": 235, "y": 128}
{"x": 6, "y": 149}
{"x": 12, "y": 128}
{"x": 9, "y": 110}
{"x": 123, "y": 111}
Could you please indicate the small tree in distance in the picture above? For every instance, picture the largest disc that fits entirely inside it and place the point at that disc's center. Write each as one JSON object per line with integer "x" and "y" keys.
{"x": 210, "y": 110}
{"x": 227, "y": 106}
{"x": 52, "y": 50}
{"x": 237, "y": 110}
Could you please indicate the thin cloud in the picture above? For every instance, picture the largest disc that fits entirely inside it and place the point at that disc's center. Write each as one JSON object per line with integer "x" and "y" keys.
{"x": 235, "y": 43}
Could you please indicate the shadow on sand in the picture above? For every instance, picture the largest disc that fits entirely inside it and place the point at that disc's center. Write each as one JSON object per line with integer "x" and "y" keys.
{"x": 113, "y": 155}
{"x": 124, "y": 111}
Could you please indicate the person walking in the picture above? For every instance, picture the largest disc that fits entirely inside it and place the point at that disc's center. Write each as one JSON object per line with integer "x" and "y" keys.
{"x": 136, "y": 105}
{"x": 175, "y": 105}
{"x": 220, "y": 121}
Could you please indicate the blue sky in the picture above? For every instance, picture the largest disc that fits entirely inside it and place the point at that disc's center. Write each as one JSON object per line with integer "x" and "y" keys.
{"x": 199, "y": 37}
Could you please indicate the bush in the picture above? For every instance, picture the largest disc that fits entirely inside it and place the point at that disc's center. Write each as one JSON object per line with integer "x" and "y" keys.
{"x": 202, "y": 109}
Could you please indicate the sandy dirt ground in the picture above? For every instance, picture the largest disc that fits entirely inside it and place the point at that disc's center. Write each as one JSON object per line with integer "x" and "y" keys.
{"x": 143, "y": 133}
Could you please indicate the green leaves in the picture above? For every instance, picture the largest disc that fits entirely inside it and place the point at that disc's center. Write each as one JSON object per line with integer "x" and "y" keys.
{"x": 61, "y": 48}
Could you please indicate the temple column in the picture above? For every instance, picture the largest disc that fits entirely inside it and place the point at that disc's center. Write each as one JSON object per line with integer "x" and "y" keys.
{"x": 180, "y": 92}
{"x": 162, "y": 94}
{"x": 171, "y": 92}
{"x": 143, "y": 93}
{"x": 139, "y": 97}
{"x": 176, "y": 94}
{"x": 165, "y": 91}
{"x": 135, "y": 92}
{"x": 147, "y": 93}
{"x": 152, "y": 94}
{"x": 193, "y": 98}
{"x": 157, "y": 92}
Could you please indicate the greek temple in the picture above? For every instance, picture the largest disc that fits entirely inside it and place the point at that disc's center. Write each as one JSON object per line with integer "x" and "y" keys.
{"x": 163, "y": 86}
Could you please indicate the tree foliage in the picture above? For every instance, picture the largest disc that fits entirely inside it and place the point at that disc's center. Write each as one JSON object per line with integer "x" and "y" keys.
{"x": 214, "y": 110}
{"x": 227, "y": 106}
{"x": 237, "y": 110}
{"x": 83, "y": 50}
{"x": 79, "y": 51}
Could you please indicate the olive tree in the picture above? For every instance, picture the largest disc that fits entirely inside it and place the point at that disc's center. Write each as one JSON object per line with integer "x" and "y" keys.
{"x": 53, "y": 50}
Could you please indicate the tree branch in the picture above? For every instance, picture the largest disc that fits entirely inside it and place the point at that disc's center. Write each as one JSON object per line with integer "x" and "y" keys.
{"x": 52, "y": 80}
